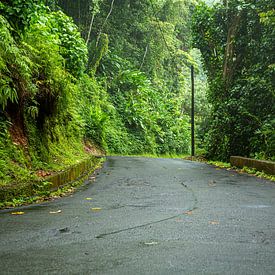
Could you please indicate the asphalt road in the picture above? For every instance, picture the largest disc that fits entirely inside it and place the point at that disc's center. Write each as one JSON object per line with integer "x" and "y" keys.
{"x": 147, "y": 216}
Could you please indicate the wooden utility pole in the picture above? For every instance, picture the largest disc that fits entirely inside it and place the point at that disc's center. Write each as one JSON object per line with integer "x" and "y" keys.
{"x": 192, "y": 113}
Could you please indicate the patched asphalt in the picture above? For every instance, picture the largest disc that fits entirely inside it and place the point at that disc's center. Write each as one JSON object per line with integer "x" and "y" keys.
{"x": 147, "y": 216}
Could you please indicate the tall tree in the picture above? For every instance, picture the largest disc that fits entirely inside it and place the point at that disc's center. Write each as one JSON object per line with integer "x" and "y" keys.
{"x": 237, "y": 49}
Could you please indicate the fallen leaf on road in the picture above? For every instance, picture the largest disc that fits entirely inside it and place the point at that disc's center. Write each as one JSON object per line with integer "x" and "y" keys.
{"x": 218, "y": 169}
{"x": 151, "y": 243}
{"x": 96, "y": 209}
{"x": 190, "y": 212}
{"x": 18, "y": 213}
{"x": 88, "y": 199}
{"x": 212, "y": 183}
{"x": 55, "y": 212}
{"x": 214, "y": 222}
{"x": 64, "y": 230}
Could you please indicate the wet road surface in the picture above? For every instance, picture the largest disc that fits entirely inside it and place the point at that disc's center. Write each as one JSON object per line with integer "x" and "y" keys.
{"x": 147, "y": 216}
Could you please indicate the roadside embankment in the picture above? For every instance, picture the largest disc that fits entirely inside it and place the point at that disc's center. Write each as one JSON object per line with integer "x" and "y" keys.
{"x": 25, "y": 191}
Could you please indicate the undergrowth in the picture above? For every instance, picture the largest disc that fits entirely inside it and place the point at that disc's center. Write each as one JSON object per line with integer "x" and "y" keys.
{"x": 46, "y": 194}
{"x": 54, "y": 94}
{"x": 41, "y": 130}
{"x": 247, "y": 170}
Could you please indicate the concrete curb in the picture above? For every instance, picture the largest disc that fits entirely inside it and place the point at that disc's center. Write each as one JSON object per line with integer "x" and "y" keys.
{"x": 51, "y": 183}
{"x": 261, "y": 165}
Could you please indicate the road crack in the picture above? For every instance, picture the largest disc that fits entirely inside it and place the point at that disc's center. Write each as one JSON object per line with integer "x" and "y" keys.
{"x": 100, "y": 236}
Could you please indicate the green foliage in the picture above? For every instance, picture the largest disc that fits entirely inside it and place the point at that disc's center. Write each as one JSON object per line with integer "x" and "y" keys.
{"x": 13, "y": 163}
{"x": 96, "y": 53}
{"x": 256, "y": 173}
{"x": 73, "y": 48}
{"x": 237, "y": 45}
{"x": 95, "y": 109}
{"x": 127, "y": 92}
{"x": 151, "y": 115}
{"x": 19, "y": 13}
{"x": 59, "y": 29}
{"x": 40, "y": 125}
{"x": 13, "y": 65}
{"x": 251, "y": 171}
{"x": 143, "y": 70}
{"x": 263, "y": 142}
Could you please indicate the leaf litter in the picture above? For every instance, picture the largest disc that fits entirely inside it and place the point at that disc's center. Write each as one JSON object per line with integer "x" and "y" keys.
{"x": 17, "y": 213}
{"x": 96, "y": 209}
{"x": 55, "y": 212}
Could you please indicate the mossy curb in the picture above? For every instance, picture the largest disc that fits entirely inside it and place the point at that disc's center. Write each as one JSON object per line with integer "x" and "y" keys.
{"x": 260, "y": 165}
{"x": 50, "y": 183}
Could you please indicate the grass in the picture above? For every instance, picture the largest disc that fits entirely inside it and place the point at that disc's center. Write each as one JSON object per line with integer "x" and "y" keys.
{"x": 145, "y": 155}
{"x": 48, "y": 195}
{"x": 247, "y": 170}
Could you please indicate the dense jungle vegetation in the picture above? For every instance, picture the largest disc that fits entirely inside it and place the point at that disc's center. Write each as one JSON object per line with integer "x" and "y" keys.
{"x": 237, "y": 42}
{"x": 114, "y": 74}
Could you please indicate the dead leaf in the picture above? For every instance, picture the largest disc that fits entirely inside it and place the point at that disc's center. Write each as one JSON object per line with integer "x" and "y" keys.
{"x": 88, "y": 199}
{"x": 151, "y": 243}
{"x": 55, "y": 212}
{"x": 64, "y": 230}
{"x": 190, "y": 212}
{"x": 214, "y": 222}
{"x": 41, "y": 173}
{"x": 96, "y": 209}
{"x": 211, "y": 183}
{"x": 18, "y": 213}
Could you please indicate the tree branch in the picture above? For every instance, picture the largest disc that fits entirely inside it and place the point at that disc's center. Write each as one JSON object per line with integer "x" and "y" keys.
{"x": 145, "y": 53}
{"x": 104, "y": 23}
{"x": 90, "y": 29}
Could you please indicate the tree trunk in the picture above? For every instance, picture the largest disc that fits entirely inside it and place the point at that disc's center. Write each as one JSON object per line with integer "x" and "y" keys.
{"x": 90, "y": 29}
{"x": 105, "y": 21}
{"x": 225, "y": 3}
{"x": 228, "y": 67}
{"x": 144, "y": 56}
